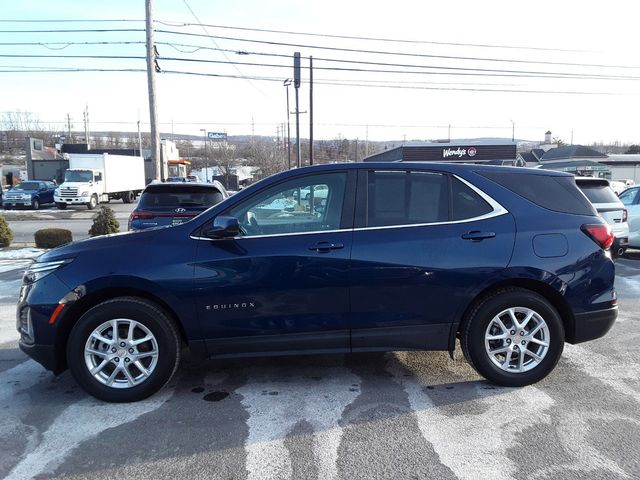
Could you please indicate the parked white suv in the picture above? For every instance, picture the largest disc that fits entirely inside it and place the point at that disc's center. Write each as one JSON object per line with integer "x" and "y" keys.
{"x": 609, "y": 206}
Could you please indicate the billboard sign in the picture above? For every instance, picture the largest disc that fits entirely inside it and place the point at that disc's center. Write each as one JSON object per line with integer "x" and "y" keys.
{"x": 217, "y": 136}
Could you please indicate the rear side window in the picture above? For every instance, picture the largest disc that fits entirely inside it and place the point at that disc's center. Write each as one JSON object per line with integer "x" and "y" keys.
{"x": 180, "y": 197}
{"x": 559, "y": 194}
{"x": 465, "y": 203}
{"x": 598, "y": 192}
{"x": 405, "y": 198}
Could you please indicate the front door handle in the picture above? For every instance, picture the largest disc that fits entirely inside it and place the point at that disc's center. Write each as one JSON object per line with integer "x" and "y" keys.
{"x": 476, "y": 235}
{"x": 324, "y": 247}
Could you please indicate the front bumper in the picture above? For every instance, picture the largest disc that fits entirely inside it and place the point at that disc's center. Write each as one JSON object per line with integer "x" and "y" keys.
{"x": 72, "y": 200}
{"x": 592, "y": 325}
{"x": 43, "y": 354}
{"x": 15, "y": 202}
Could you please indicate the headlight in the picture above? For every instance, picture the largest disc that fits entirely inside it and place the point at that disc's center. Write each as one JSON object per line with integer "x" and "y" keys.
{"x": 56, "y": 192}
{"x": 26, "y": 196}
{"x": 39, "y": 270}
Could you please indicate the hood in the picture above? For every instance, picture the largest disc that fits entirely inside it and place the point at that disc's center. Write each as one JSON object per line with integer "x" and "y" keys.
{"x": 96, "y": 244}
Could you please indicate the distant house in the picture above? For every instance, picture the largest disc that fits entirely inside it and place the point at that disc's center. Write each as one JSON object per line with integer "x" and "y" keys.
{"x": 576, "y": 159}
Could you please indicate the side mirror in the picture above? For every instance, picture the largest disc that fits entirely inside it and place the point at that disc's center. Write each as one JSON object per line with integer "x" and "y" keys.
{"x": 223, "y": 227}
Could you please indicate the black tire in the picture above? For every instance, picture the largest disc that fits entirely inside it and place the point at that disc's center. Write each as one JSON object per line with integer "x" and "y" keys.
{"x": 93, "y": 203}
{"x": 127, "y": 197}
{"x": 61, "y": 206}
{"x": 35, "y": 204}
{"x": 127, "y": 308}
{"x": 475, "y": 325}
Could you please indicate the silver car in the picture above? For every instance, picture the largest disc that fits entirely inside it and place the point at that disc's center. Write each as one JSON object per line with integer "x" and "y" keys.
{"x": 631, "y": 200}
{"x": 609, "y": 206}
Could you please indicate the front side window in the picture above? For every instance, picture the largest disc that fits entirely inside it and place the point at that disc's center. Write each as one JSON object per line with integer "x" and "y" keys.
{"x": 308, "y": 204}
{"x": 629, "y": 197}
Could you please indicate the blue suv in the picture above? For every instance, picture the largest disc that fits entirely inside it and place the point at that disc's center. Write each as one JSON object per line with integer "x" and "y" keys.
{"x": 387, "y": 256}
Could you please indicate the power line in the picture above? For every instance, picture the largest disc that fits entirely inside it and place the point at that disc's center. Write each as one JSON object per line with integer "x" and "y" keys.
{"x": 93, "y": 30}
{"x": 386, "y": 52}
{"x": 441, "y": 69}
{"x": 70, "y": 20}
{"x": 330, "y": 83}
{"x": 67, "y": 44}
{"x": 377, "y": 39}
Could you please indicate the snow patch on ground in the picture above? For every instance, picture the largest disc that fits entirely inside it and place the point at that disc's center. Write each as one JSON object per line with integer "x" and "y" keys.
{"x": 20, "y": 253}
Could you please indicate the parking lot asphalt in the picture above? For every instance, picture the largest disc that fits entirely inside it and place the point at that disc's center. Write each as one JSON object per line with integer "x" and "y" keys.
{"x": 24, "y": 222}
{"x": 397, "y": 415}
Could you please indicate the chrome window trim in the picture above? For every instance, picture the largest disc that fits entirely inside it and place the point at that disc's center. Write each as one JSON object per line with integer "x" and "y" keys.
{"x": 498, "y": 210}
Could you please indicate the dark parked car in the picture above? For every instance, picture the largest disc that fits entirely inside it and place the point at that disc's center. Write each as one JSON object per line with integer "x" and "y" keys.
{"x": 32, "y": 194}
{"x": 512, "y": 262}
{"x": 163, "y": 204}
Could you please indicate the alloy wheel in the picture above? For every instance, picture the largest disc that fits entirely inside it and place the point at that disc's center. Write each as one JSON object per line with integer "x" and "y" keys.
{"x": 517, "y": 339}
{"x": 121, "y": 353}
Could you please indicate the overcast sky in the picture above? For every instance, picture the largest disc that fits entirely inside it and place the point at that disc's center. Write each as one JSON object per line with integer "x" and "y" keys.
{"x": 585, "y": 53}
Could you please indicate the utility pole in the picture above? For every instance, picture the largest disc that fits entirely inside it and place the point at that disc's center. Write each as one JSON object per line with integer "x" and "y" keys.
{"x": 151, "y": 81}
{"x": 310, "y": 110}
{"x": 296, "y": 84}
{"x": 287, "y": 82}
{"x": 139, "y": 140}
{"x": 69, "y": 128}
{"x": 86, "y": 126}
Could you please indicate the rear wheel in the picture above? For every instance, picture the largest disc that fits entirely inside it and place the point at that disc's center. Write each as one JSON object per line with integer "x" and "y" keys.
{"x": 513, "y": 337}
{"x": 127, "y": 197}
{"x": 123, "y": 350}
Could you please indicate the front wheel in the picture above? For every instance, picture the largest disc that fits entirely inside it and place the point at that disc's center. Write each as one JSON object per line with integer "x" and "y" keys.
{"x": 35, "y": 204}
{"x": 513, "y": 337}
{"x": 61, "y": 206}
{"x": 93, "y": 203}
{"x": 123, "y": 350}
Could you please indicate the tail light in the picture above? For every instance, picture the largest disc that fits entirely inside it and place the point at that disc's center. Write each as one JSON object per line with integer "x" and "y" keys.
{"x": 625, "y": 214}
{"x": 602, "y": 234}
{"x": 136, "y": 215}
{"x": 139, "y": 214}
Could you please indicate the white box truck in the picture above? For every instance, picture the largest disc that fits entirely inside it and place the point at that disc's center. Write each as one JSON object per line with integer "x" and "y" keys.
{"x": 99, "y": 177}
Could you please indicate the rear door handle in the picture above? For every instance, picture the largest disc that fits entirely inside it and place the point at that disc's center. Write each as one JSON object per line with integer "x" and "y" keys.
{"x": 476, "y": 235}
{"x": 324, "y": 247}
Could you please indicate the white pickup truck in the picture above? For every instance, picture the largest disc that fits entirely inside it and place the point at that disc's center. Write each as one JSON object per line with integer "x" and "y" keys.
{"x": 101, "y": 177}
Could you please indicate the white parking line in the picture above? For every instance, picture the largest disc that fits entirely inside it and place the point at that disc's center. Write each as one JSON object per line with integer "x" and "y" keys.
{"x": 461, "y": 439}
{"x": 276, "y": 406}
{"x": 76, "y": 424}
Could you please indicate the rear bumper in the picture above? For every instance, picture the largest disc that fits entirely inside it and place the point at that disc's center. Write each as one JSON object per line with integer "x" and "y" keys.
{"x": 592, "y": 325}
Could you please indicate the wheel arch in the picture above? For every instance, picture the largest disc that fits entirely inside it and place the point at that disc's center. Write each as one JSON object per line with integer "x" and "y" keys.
{"x": 553, "y": 296}
{"x": 84, "y": 304}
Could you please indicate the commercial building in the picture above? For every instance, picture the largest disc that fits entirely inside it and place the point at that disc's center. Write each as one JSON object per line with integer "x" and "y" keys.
{"x": 462, "y": 151}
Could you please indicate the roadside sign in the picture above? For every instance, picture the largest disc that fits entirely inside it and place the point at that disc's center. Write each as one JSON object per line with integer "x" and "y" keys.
{"x": 217, "y": 136}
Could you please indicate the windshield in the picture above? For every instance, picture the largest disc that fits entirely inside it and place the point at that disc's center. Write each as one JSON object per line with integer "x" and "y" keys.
{"x": 78, "y": 176}
{"x": 27, "y": 186}
{"x": 599, "y": 193}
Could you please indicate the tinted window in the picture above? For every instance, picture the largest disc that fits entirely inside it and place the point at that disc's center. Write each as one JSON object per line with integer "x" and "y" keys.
{"x": 404, "y": 198}
{"x": 180, "y": 197}
{"x": 598, "y": 192}
{"x": 629, "y": 197}
{"x": 465, "y": 203}
{"x": 308, "y": 204}
{"x": 559, "y": 194}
